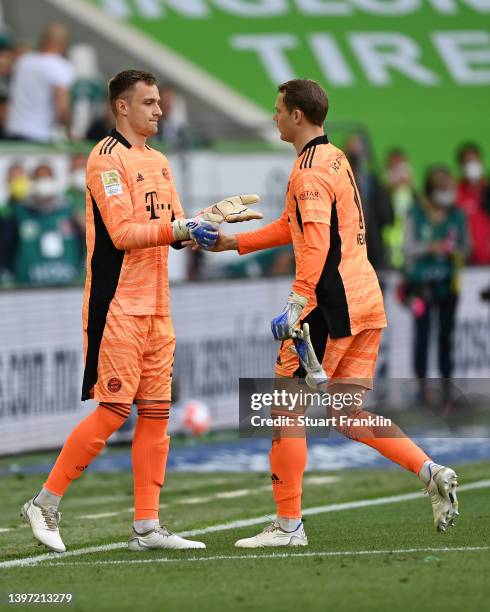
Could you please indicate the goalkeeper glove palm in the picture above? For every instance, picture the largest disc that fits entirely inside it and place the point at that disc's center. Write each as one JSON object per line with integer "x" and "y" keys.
{"x": 235, "y": 209}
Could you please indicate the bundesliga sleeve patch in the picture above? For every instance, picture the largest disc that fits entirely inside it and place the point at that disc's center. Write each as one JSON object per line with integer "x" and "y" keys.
{"x": 111, "y": 182}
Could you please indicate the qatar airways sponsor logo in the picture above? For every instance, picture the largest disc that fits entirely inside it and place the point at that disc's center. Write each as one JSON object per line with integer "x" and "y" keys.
{"x": 309, "y": 195}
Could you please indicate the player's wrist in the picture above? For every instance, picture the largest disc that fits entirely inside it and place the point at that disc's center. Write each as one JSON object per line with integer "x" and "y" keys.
{"x": 226, "y": 242}
{"x": 180, "y": 229}
{"x": 232, "y": 242}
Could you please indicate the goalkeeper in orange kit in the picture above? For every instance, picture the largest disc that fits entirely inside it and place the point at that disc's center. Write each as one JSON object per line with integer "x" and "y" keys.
{"x": 337, "y": 295}
{"x": 133, "y": 216}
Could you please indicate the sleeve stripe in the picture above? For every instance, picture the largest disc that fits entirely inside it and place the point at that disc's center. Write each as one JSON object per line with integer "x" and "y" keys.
{"x": 104, "y": 144}
{"x": 312, "y": 156}
{"x": 108, "y": 143}
{"x": 112, "y": 146}
{"x": 303, "y": 160}
{"x": 307, "y": 160}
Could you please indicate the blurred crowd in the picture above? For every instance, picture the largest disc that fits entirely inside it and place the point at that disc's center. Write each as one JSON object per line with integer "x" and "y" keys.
{"x": 445, "y": 224}
{"x": 56, "y": 92}
{"x": 42, "y": 225}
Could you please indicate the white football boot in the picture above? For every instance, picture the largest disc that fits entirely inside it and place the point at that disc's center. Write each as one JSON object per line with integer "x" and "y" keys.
{"x": 442, "y": 494}
{"x": 160, "y": 537}
{"x": 273, "y": 535}
{"x": 44, "y": 522}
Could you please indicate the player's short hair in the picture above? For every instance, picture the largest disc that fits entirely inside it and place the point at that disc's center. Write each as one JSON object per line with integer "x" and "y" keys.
{"x": 125, "y": 81}
{"x": 307, "y": 96}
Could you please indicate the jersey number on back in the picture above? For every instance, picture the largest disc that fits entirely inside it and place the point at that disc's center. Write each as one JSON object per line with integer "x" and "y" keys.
{"x": 361, "y": 236}
{"x": 356, "y": 200}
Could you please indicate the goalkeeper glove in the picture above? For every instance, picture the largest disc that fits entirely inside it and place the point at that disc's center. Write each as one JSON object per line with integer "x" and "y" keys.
{"x": 282, "y": 325}
{"x": 235, "y": 209}
{"x": 315, "y": 374}
{"x": 203, "y": 229}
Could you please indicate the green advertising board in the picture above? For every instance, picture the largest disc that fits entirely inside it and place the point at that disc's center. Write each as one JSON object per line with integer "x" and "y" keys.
{"x": 414, "y": 73}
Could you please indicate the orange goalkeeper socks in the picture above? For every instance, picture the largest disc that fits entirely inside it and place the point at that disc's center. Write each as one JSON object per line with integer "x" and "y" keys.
{"x": 389, "y": 441}
{"x": 288, "y": 462}
{"x": 288, "y": 459}
{"x": 83, "y": 444}
{"x": 149, "y": 455}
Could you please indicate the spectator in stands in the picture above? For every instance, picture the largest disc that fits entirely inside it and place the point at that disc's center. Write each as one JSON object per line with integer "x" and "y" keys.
{"x": 375, "y": 199}
{"x": 40, "y": 90}
{"x": 175, "y": 122}
{"x": 88, "y": 93}
{"x": 6, "y": 63}
{"x": 18, "y": 185}
{"x": 75, "y": 194}
{"x": 473, "y": 196}
{"x": 48, "y": 243}
{"x": 18, "y": 188}
{"x": 435, "y": 247}
{"x": 399, "y": 182}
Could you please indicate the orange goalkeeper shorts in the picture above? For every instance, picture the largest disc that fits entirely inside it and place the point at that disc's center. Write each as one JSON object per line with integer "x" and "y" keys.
{"x": 347, "y": 360}
{"x": 134, "y": 360}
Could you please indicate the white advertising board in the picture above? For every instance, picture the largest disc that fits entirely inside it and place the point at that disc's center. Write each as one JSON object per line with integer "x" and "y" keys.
{"x": 223, "y": 332}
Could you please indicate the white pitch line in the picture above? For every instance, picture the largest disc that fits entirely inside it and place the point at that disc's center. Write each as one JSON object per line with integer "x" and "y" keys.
{"x": 5, "y": 529}
{"x": 232, "y": 494}
{"x": 363, "y": 503}
{"x": 391, "y": 499}
{"x": 321, "y": 553}
{"x": 309, "y": 480}
{"x": 204, "y": 499}
{"x": 28, "y": 561}
{"x": 97, "y": 516}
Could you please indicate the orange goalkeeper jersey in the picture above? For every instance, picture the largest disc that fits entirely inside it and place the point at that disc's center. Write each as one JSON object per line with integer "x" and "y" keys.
{"x": 131, "y": 200}
{"x": 323, "y": 218}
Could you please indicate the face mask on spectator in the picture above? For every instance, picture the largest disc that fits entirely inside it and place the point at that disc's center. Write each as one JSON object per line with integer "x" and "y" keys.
{"x": 77, "y": 179}
{"x": 473, "y": 170}
{"x": 19, "y": 188}
{"x": 443, "y": 197}
{"x": 45, "y": 188}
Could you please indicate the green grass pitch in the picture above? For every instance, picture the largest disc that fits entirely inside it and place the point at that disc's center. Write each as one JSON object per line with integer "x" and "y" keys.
{"x": 389, "y": 576}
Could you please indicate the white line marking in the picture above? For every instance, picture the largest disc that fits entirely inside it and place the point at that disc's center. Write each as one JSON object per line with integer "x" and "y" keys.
{"x": 329, "y": 553}
{"x": 203, "y": 499}
{"x": 72, "y": 553}
{"x": 94, "y": 501}
{"x": 363, "y": 503}
{"x": 232, "y": 494}
{"x": 309, "y": 480}
{"x": 194, "y": 500}
{"x": 320, "y": 480}
{"x": 97, "y": 516}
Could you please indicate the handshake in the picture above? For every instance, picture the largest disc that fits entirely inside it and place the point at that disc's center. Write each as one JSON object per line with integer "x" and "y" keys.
{"x": 203, "y": 229}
